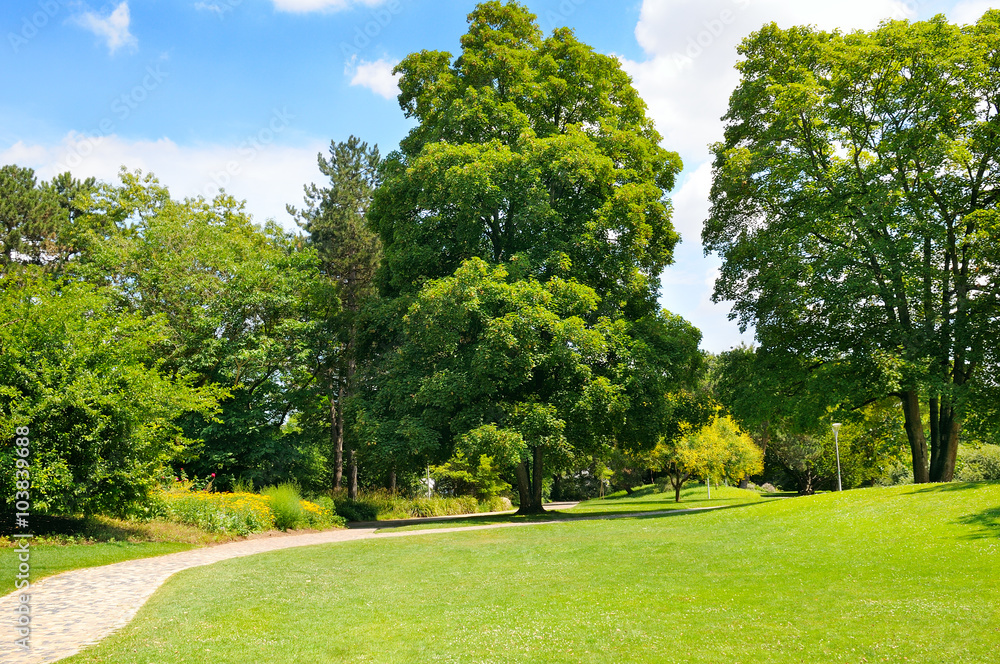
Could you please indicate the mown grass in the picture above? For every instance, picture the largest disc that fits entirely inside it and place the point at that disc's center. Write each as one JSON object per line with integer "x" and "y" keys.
{"x": 646, "y": 499}
{"x": 902, "y": 574}
{"x": 642, "y": 499}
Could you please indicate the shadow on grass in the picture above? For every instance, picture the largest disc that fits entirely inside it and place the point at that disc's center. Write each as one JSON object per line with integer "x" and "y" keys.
{"x": 987, "y": 521}
{"x": 78, "y": 526}
{"x": 952, "y": 486}
{"x": 555, "y": 516}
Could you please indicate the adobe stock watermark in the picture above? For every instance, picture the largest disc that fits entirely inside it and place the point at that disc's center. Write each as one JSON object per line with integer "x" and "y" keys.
{"x": 380, "y": 18}
{"x": 711, "y": 30}
{"x": 121, "y": 109}
{"x": 22, "y": 505}
{"x": 557, "y": 18}
{"x": 33, "y": 23}
{"x": 248, "y": 150}
{"x": 218, "y": 7}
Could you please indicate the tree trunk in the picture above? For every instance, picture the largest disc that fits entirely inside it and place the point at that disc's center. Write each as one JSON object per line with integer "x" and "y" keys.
{"x": 915, "y": 434}
{"x": 536, "y": 479}
{"x": 944, "y": 450}
{"x": 337, "y": 436}
{"x": 523, "y": 488}
{"x": 529, "y": 490}
{"x": 392, "y": 481}
{"x": 352, "y": 487}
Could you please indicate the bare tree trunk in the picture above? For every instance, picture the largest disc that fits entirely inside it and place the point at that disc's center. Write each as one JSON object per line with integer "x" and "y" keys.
{"x": 536, "y": 478}
{"x": 944, "y": 450}
{"x": 337, "y": 434}
{"x": 392, "y": 481}
{"x": 915, "y": 434}
{"x": 352, "y": 487}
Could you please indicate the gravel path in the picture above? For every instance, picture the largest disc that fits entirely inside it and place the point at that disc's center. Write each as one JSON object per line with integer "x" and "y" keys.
{"x": 72, "y": 610}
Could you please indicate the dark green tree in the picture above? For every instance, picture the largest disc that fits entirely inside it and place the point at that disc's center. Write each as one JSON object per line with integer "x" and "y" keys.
{"x": 349, "y": 254}
{"x": 854, "y": 207}
{"x": 240, "y": 306}
{"x": 534, "y": 154}
{"x": 101, "y": 409}
{"x": 30, "y": 217}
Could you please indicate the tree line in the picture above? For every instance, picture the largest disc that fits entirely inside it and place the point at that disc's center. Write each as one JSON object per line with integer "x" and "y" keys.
{"x": 487, "y": 293}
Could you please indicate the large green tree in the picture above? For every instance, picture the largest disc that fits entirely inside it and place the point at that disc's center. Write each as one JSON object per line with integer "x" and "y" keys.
{"x": 854, "y": 207}
{"x": 527, "y": 150}
{"x": 532, "y": 153}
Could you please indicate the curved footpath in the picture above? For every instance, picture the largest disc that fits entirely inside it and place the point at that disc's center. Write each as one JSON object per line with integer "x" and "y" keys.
{"x": 72, "y": 610}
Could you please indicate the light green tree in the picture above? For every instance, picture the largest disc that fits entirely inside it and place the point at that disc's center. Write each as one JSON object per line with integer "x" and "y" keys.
{"x": 719, "y": 450}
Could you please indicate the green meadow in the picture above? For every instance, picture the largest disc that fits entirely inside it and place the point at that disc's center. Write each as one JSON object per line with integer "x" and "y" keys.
{"x": 901, "y": 574}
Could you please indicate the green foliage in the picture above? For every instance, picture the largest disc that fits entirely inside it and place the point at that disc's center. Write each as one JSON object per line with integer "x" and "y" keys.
{"x": 524, "y": 225}
{"x": 100, "y": 406}
{"x": 39, "y": 221}
{"x": 383, "y": 505}
{"x": 530, "y": 150}
{"x": 717, "y": 451}
{"x": 286, "y": 503}
{"x": 978, "y": 464}
{"x": 240, "y": 305}
{"x": 848, "y": 209}
{"x": 461, "y": 476}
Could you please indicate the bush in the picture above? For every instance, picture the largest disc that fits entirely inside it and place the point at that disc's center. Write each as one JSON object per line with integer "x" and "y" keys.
{"x": 286, "y": 503}
{"x": 978, "y": 464}
{"x": 384, "y": 506}
{"x": 244, "y": 513}
{"x": 496, "y": 504}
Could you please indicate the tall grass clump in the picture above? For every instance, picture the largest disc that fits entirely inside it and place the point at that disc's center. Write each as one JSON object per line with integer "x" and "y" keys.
{"x": 286, "y": 503}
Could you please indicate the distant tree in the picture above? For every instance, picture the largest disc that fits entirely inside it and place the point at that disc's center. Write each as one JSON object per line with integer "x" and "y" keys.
{"x": 854, "y": 207}
{"x": 349, "y": 255}
{"x": 29, "y": 217}
{"x": 718, "y": 450}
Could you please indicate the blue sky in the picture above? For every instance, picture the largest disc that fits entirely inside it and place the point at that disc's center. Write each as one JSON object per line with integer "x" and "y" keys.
{"x": 244, "y": 93}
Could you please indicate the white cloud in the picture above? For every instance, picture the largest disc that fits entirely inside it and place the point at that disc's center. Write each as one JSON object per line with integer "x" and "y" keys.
{"x": 114, "y": 28}
{"x": 377, "y": 76}
{"x": 691, "y": 44}
{"x": 266, "y": 175}
{"x": 969, "y": 12}
{"x": 303, "y": 6}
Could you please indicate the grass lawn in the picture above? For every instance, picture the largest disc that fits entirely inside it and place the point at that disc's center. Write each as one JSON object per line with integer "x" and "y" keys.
{"x": 904, "y": 574}
{"x": 643, "y": 499}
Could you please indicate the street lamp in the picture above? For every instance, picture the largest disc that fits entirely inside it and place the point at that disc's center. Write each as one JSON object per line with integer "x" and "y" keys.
{"x": 836, "y": 444}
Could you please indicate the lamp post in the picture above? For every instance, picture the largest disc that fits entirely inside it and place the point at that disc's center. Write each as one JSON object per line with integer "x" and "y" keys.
{"x": 836, "y": 444}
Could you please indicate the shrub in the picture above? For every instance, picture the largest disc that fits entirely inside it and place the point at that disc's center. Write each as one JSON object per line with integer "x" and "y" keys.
{"x": 383, "y": 506}
{"x": 286, "y": 503}
{"x": 978, "y": 464}
{"x": 496, "y": 504}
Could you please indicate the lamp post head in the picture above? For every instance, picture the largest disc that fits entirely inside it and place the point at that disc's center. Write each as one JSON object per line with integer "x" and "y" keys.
{"x": 836, "y": 426}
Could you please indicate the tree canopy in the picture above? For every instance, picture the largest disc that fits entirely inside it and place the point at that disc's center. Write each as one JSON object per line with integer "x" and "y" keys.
{"x": 854, "y": 207}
